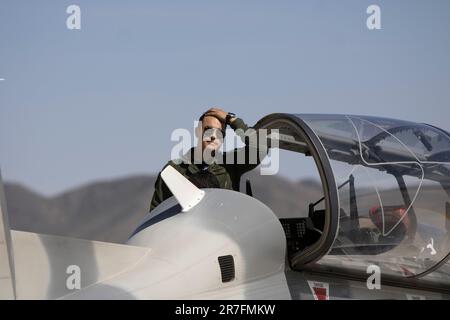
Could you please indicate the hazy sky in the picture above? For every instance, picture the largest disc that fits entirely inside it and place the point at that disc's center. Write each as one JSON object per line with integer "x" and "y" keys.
{"x": 101, "y": 102}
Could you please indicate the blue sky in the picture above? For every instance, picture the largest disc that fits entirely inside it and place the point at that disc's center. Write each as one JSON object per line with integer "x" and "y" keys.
{"x": 101, "y": 102}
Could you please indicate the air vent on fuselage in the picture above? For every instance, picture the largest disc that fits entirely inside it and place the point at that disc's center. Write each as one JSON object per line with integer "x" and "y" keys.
{"x": 226, "y": 264}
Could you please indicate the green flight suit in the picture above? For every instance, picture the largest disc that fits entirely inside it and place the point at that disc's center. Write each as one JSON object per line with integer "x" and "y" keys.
{"x": 228, "y": 175}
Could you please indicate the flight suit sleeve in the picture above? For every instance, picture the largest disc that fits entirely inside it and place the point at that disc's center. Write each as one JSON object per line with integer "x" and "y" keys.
{"x": 161, "y": 192}
{"x": 158, "y": 194}
{"x": 248, "y": 157}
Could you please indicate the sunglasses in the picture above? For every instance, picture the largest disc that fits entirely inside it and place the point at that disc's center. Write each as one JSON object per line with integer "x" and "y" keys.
{"x": 210, "y": 131}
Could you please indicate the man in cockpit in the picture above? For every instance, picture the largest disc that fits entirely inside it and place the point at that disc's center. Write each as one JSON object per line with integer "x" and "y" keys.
{"x": 200, "y": 164}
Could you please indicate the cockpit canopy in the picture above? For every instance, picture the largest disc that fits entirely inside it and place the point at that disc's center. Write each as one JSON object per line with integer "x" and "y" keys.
{"x": 387, "y": 192}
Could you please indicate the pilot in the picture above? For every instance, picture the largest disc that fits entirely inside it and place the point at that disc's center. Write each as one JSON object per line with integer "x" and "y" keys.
{"x": 200, "y": 164}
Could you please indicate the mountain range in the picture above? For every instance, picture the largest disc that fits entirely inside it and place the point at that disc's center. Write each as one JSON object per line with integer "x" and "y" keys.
{"x": 111, "y": 210}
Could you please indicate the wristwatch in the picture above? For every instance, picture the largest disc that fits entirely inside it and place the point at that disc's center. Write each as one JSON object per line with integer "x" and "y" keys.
{"x": 230, "y": 115}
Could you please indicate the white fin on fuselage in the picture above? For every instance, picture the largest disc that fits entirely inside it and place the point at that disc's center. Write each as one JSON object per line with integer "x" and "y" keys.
{"x": 186, "y": 193}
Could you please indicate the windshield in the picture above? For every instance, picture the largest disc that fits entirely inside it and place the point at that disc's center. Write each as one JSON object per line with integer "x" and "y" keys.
{"x": 393, "y": 181}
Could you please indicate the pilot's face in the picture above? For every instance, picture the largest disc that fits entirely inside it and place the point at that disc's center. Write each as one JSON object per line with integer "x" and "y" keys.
{"x": 212, "y": 133}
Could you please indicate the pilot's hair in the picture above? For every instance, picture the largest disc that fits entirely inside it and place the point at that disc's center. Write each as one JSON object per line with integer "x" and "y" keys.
{"x": 204, "y": 115}
{"x": 204, "y": 179}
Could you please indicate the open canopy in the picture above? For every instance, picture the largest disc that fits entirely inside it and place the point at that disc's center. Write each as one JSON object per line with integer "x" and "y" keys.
{"x": 387, "y": 193}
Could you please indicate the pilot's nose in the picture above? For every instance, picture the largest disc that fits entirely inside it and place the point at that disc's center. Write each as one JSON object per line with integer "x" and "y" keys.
{"x": 213, "y": 138}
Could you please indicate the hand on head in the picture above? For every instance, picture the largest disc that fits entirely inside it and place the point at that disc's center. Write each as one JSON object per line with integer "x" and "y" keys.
{"x": 218, "y": 113}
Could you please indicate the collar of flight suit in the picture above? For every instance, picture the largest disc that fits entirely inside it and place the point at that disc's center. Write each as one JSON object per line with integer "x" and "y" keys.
{"x": 215, "y": 168}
